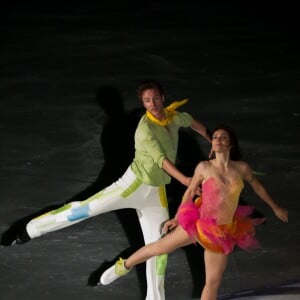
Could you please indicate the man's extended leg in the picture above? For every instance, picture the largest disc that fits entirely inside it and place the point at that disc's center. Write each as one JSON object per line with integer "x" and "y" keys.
{"x": 111, "y": 198}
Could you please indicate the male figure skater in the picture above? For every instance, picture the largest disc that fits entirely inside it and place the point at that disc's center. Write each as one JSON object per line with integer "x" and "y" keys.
{"x": 141, "y": 187}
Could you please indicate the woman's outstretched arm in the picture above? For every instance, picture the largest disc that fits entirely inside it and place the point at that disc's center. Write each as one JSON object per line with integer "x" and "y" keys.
{"x": 263, "y": 194}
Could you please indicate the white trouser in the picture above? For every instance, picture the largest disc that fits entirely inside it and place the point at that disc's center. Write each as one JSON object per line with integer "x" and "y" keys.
{"x": 150, "y": 203}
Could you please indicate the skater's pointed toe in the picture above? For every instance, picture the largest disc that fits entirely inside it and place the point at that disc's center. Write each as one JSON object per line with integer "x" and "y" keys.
{"x": 114, "y": 272}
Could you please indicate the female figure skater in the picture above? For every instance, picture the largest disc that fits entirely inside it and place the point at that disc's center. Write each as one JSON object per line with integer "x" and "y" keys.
{"x": 215, "y": 220}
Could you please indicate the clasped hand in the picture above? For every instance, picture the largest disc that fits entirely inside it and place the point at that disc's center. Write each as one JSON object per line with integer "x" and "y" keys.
{"x": 168, "y": 226}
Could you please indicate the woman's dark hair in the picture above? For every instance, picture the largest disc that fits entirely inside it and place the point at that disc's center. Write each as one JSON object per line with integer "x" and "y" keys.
{"x": 149, "y": 84}
{"x": 235, "y": 153}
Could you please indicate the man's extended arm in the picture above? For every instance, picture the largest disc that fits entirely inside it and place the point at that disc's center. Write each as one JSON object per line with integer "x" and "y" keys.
{"x": 201, "y": 129}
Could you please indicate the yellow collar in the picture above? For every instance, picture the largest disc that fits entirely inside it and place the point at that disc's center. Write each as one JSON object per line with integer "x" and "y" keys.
{"x": 170, "y": 112}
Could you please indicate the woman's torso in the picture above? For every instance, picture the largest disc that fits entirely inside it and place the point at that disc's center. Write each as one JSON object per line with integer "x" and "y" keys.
{"x": 220, "y": 193}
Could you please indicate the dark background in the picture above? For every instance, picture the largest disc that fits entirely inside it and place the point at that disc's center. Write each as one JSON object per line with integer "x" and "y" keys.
{"x": 68, "y": 108}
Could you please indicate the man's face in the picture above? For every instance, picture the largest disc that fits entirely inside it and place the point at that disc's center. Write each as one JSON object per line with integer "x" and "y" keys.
{"x": 153, "y": 103}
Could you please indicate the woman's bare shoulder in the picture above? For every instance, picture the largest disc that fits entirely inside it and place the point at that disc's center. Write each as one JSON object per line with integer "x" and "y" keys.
{"x": 243, "y": 168}
{"x": 242, "y": 165}
{"x": 203, "y": 165}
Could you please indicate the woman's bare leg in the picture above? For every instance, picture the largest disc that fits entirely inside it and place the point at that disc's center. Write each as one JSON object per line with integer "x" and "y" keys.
{"x": 215, "y": 265}
{"x": 175, "y": 239}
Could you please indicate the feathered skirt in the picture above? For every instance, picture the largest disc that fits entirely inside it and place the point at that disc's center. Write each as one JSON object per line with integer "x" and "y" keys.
{"x": 219, "y": 238}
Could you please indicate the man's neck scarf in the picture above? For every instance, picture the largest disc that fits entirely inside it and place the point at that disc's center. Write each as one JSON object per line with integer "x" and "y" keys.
{"x": 170, "y": 112}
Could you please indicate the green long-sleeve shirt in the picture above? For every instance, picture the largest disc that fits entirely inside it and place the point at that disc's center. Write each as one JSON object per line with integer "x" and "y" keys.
{"x": 153, "y": 143}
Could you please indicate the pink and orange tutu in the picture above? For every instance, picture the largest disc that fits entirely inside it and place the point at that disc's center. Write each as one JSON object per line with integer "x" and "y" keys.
{"x": 215, "y": 237}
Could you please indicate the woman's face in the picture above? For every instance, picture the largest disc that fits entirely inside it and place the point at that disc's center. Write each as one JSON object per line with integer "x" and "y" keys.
{"x": 220, "y": 141}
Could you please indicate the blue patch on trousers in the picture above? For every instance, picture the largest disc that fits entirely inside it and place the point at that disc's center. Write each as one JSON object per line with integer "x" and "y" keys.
{"x": 79, "y": 213}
